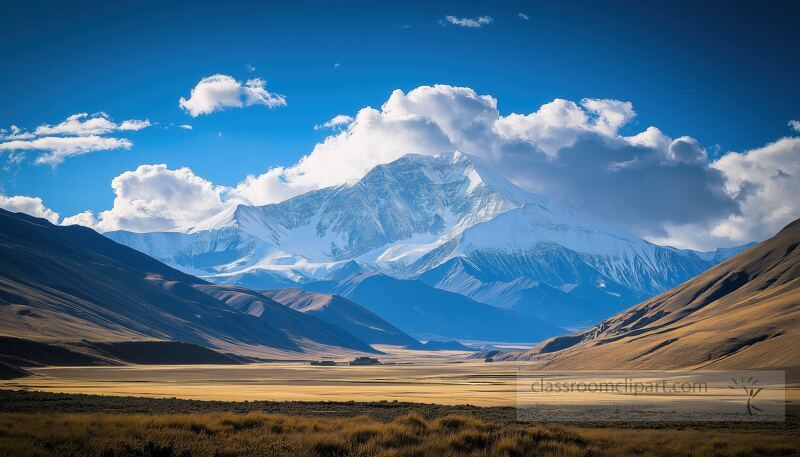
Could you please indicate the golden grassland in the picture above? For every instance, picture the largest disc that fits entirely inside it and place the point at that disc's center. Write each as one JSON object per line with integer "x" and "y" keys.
{"x": 258, "y": 434}
{"x": 423, "y": 380}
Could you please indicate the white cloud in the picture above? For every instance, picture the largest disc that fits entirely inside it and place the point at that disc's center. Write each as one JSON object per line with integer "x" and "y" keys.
{"x": 28, "y": 205}
{"x": 15, "y": 133}
{"x": 133, "y": 125}
{"x": 647, "y": 182}
{"x": 185, "y": 127}
{"x": 652, "y": 138}
{"x": 337, "y": 121}
{"x": 766, "y": 182}
{"x": 610, "y": 115}
{"x": 523, "y": 16}
{"x": 60, "y": 148}
{"x": 79, "y": 134}
{"x": 659, "y": 187}
{"x": 687, "y": 149}
{"x": 795, "y": 125}
{"x": 468, "y": 22}
{"x": 374, "y": 137}
{"x": 154, "y": 198}
{"x": 560, "y": 123}
{"x": 218, "y": 92}
{"x": 96, "y": 124}
{"x": 85, "y": 219}
{"x": 430, "y": 120}
{"x": 553, "y": 126}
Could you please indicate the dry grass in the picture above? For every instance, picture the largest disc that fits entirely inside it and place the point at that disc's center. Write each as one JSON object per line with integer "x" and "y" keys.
{"x": 255, "y": 434}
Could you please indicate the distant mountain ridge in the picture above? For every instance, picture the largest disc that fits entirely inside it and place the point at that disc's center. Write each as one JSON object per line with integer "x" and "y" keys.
{"x": 345, "y": 314}
{"x": 449, "y": 221}
{"x": 744, "y": 314}
{"x": 427, "y": 312}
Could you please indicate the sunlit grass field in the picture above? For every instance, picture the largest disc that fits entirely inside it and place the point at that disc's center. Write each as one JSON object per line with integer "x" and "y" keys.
{"x": 256, "y": 434}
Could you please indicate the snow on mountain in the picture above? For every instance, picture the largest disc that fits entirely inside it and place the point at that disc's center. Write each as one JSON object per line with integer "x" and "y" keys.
{"x": 395, "y": 214}
{"x": 448, "y": 220}
{"x": 542, "y": 260}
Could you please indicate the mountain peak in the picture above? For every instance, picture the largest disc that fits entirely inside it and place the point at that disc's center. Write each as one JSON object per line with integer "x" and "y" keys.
{"x": 412, "y": 215}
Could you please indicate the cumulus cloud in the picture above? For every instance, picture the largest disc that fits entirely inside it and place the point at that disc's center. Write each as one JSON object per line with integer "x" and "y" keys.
{"x": 657, "y": 186}
{"x": 648, "y": 182}
{"x": 558, "y": 124}
{"x": 155, "y": 198}
{"x": 337, "y": 121}
{"x": 28, "y": 205}
{"x": 85, "y": 219}
{"x": 795, "y": 125}
{"x": 468, "y": 22}
{"x": 218, "y": 92}
{"x": 764, "y": 182}
{"x": 433, "y": 119}
{"x": 374, "y": 137}
{"x": 77, "y": 135}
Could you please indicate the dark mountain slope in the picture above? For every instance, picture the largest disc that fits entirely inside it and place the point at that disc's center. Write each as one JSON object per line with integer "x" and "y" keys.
{"x": 345, "y": 314}
{"x": 71, "y": 283}
{"x": 261, "y": 305}
{"x": 425, "y": 311}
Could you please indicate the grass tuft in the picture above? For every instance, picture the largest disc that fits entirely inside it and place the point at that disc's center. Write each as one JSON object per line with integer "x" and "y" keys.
{"x": 258, "y": 434}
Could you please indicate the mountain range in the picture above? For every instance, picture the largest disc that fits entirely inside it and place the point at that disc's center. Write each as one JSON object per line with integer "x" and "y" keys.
{"x": 345, "y": 314}
{"x": 743, "y": 313}
{"x": 69, "y": 295}
{"x": 73, "y": 285}
{"x": 431, "y": 224}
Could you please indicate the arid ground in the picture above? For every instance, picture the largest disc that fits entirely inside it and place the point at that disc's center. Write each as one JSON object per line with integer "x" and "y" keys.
{"x": 443, "y": 378}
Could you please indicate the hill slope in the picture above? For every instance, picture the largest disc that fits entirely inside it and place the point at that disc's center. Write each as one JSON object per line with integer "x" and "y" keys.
{"x": 743, "y": 313}
{"x": 426, "y": 312}
{"x": 345, "y": 314}
{"x": 71, "y": 283}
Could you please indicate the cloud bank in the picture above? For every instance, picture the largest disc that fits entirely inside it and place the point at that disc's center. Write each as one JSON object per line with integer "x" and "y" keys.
{"x": 28, "y": 205}
{"x": 218, "y": 92}
{"x": 660, "y": 187}
{"x": 153, "y": 198}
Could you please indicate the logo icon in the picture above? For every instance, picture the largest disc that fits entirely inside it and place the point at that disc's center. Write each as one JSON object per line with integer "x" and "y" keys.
{"x": 751, "y": 390}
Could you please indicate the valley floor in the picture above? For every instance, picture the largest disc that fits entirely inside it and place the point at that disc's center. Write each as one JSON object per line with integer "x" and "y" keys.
{"x": 440, "y": 379}
{"x": 429, "y": 381}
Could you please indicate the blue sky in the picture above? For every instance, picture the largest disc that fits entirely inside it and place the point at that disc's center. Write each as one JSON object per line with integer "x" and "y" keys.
{"x": 724, "y": 73}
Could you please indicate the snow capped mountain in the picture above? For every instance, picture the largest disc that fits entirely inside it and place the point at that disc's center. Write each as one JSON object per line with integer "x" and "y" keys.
{"x": 395, "y": 214}
{"x": 448, "y": 220}
{"x": 549, "y": 264}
